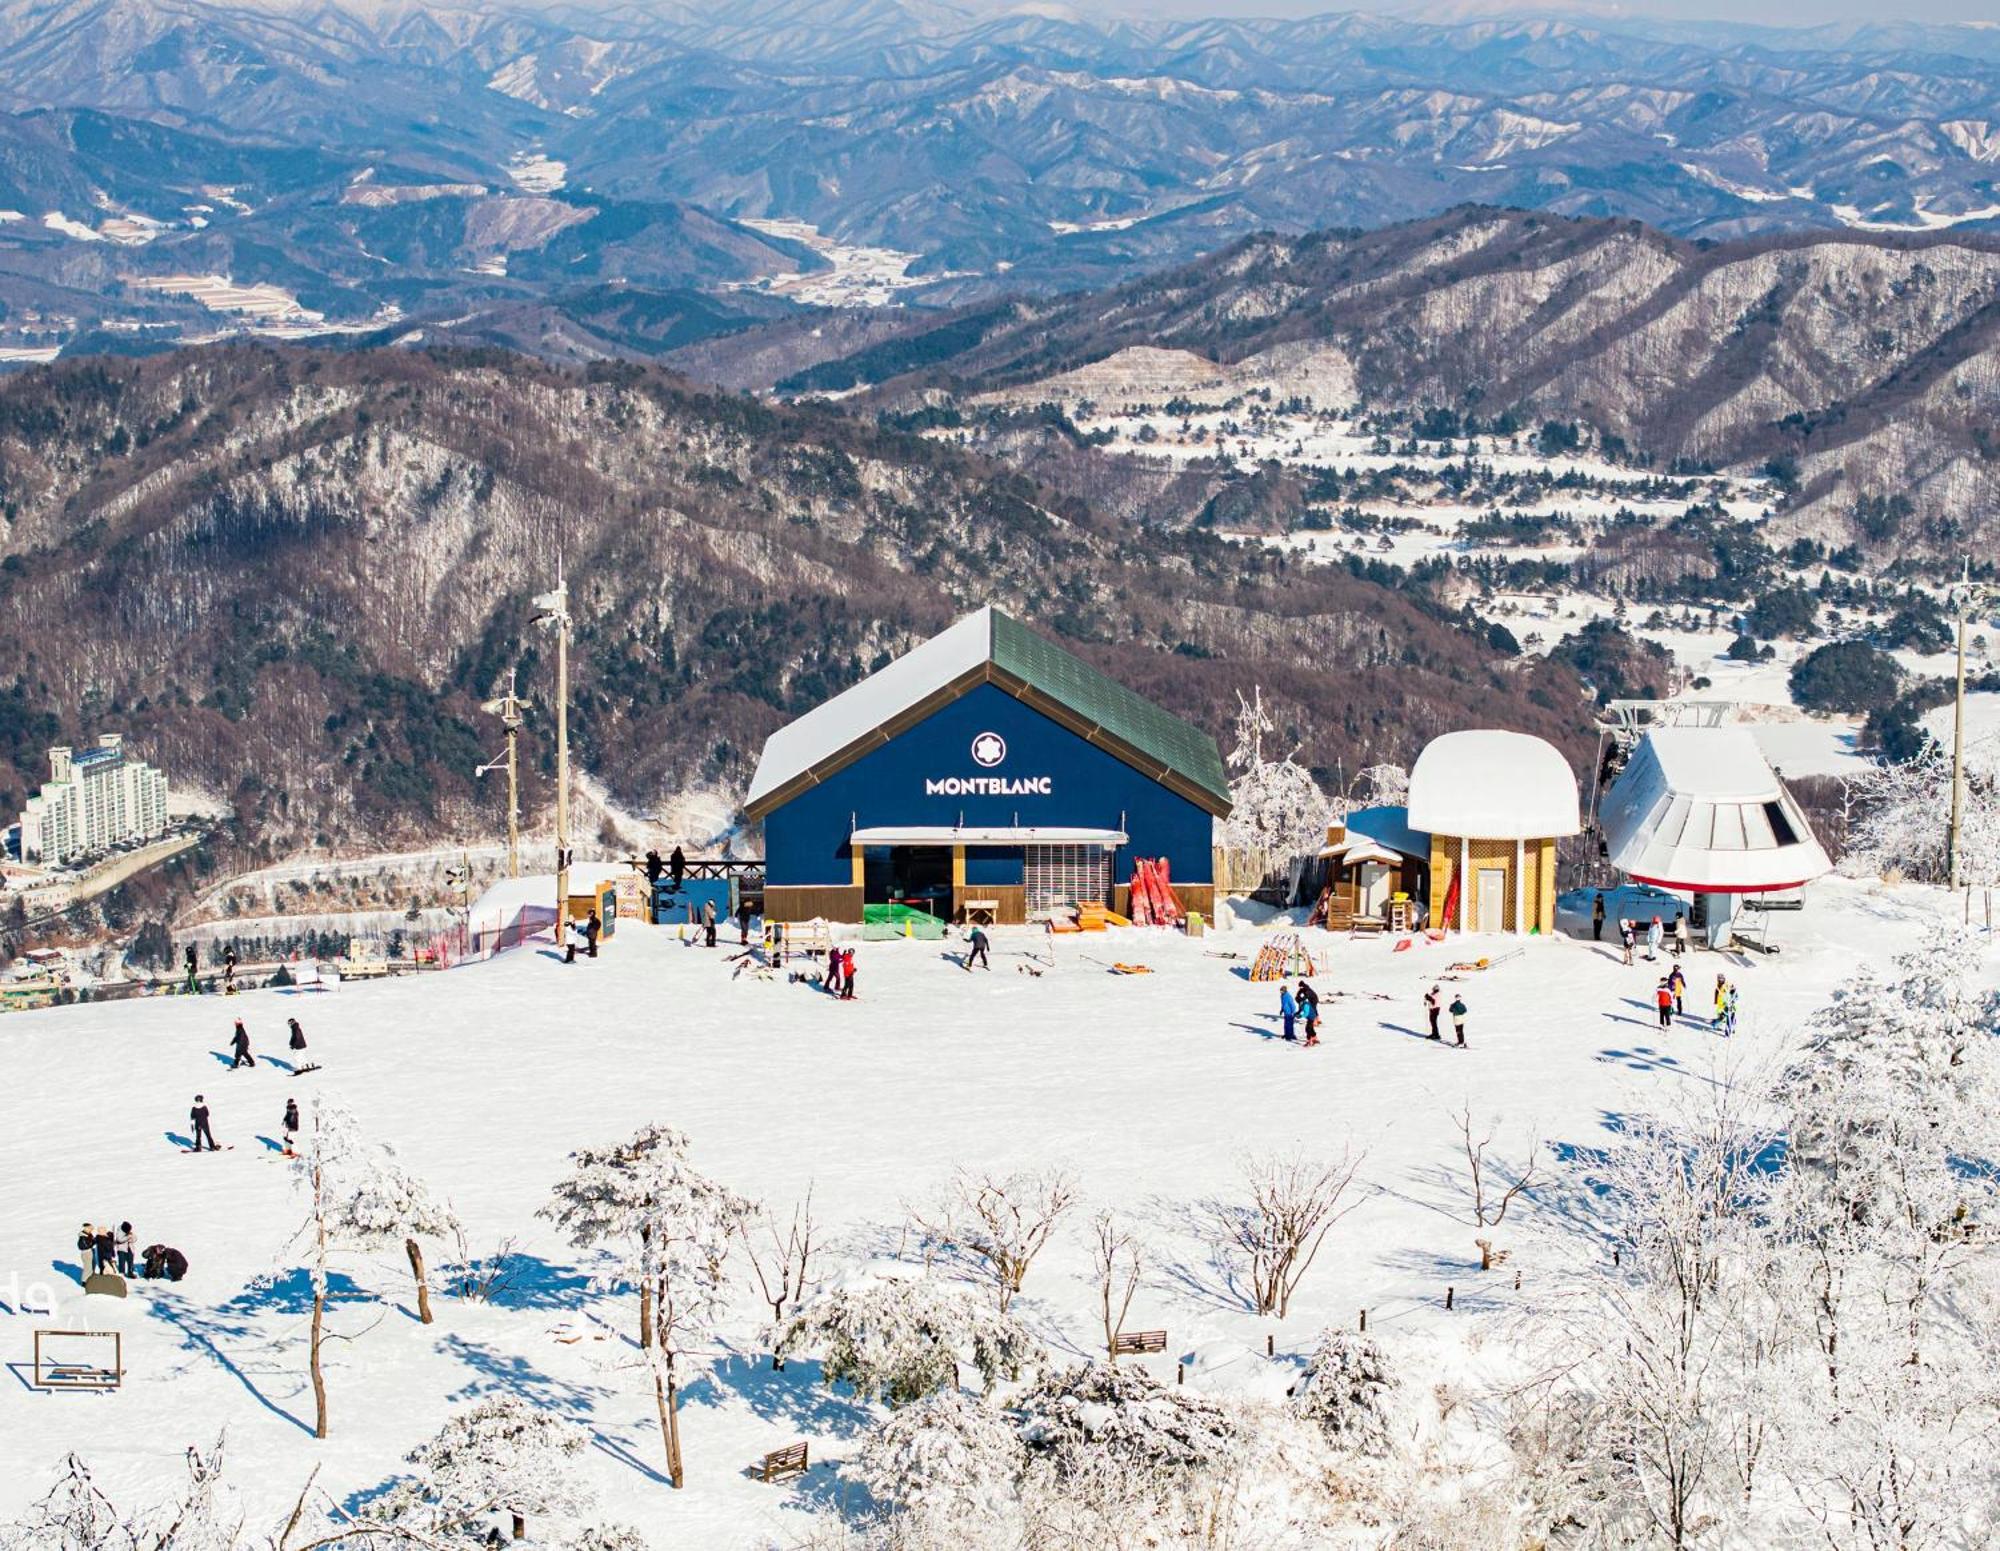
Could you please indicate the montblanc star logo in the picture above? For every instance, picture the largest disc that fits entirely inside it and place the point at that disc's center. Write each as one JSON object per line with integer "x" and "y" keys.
{"x": 988, "y": 749}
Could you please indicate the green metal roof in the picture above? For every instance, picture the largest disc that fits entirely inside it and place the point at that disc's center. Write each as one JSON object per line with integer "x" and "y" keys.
{"x": 1079, "y": 688}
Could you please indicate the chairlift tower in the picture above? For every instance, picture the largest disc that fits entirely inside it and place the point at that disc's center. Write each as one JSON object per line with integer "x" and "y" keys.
{"x": 556, "y": 617}
{"x": 507, "y": 707}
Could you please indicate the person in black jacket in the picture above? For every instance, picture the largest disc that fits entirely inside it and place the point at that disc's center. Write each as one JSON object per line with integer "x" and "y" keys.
{"x": 240, "y": 1043}
{"x": 104, "y": 1248}
{"x": 291, "y": 1127}
{"x": 86, "y": 1251}
{"x": 591, "y": 928}
{"x": 198, "y": 1117}
{"x": 654, "y": 867}
{"x": 677, "y": 865}
{"x": 164, "y": 1261}
{"x": 298, "y": 1034}
{"x": 1309, "y": 1012}
{"x": 193, "y": 982}
{"x": 743, "y": 921}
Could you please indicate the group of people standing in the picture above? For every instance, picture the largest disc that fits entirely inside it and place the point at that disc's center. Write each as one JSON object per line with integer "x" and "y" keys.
{"x": 840, "y": 973}
{"x": 1655, "y": 932}
{"x": 106, "y": 1251}
{"x": 1300, "y": 1006}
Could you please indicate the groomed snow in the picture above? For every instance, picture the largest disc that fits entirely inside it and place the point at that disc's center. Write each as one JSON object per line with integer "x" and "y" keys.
{"x": 485, "y": 1077}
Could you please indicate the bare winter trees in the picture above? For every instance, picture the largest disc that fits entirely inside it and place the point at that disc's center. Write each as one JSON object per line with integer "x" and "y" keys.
{"x": 667, "y": 1228}
{"x": 1116, "y": 1263}
{"x": 1490, "y": 1187}
{"x": 783, "y": 1269}
{"x": 1274, "y": 1233}
{"x": 1003, "y": 1221}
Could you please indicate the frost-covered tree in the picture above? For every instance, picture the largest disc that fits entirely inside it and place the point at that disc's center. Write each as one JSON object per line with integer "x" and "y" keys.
{"x": 1122, "y": 1414}
{"x": 1276, "y": 805}
{"x": 948, "y": 1456}
{"x": 501, "y": 1459}
{"x": 357, "y": 1198}
{"x": 668, "y": 1229}
{"x": 1378, "y": 786}
{"x": 1344, "y": 1390}
{"x": 1902, "y": 812}
{"x": 903, "y": 1338}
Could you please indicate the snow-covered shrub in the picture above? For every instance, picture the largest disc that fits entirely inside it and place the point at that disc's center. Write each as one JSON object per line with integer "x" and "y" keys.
{"x": 501, "y": 1455}
{"x": 1343, "y": 1392}
{"x": 1126, "y": 1417}
{"x": 902, "y": 1339}
{"x": 949, "y": 1455}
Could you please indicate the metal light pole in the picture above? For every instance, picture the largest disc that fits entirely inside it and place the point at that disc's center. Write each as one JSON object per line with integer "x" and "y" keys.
{"x": 1953, "y": 862}
{"x": 508, "y": 708}
{"x": 555, "y": 607}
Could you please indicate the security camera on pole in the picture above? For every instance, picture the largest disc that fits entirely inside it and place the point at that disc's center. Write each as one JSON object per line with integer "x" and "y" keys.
{"x": 555, "y": 615}
{"x": 508, "y": 708}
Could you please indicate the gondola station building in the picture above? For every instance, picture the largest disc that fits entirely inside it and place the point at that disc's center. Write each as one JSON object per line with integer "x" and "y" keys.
{"x": 986, "y": 774}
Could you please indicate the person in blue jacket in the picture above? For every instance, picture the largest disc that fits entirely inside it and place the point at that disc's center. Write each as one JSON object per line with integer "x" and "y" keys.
{"x": 1288, "y": 1009}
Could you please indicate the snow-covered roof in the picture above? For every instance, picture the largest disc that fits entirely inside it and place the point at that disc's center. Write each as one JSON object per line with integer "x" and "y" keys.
{"x": 1386, "y": 828}
{"x": 988, "y": 647}
{"x": 1700, "y": 808}
{"x": 1492, "y": 785}
{"x": 508, "y": 895}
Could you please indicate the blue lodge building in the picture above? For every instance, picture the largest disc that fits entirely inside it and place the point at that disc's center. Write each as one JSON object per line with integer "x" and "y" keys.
{"x": 987, "y": 768}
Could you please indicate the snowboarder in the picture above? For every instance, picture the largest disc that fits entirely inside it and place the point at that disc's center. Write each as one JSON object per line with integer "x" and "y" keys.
{"x": 229, "y": 970}
{"x": 193, "y": 983}
{"x": 1309, "y": 1011}
{"x": 240, "y": 1043}
{"x": 978, "y": 953}
{"x": 198, "y": 1117}
{"x": 708, "y": 923}
{"x": 1680, "y": 933}
{"x": 1663, "y": 998}
{"x": 1288, "y": 1010}
{"x": 104, "y": 1248}
{"x": 654, "y": 867}
{"x": 298, "y": 1034}
{"x": 291, "y": 1125}
{"x": 86, "y": 1252}
{"x": 1458, "y": 1011}
{"x": 847, "y": 975}
{"x": 125, "y": 1254}
{"x": 1434, "y": 1004}
{"x": 677, "y": 866}
{"x": 592, "y": 928}
{"x": 1678, "y": 984}
{"x": 1653, "y": 932}
{"x": 1597, "y": 917}
{"x": 743, "y": 922}
{"x": 1626, "y": 937}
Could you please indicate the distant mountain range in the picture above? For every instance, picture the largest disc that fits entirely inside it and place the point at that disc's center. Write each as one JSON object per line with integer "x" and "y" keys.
{"x": 169, "y": 166}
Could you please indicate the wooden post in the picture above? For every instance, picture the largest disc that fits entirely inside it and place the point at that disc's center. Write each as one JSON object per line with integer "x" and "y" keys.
{"x": 1364, "y": 1322}
{"x": 1270, "y": 1345}
{"x": 416, "y": 1254}
{"x": 1447, "y": 1296}
{"x": 1180, "y": 1373}
{"x": 520, "y": 1527}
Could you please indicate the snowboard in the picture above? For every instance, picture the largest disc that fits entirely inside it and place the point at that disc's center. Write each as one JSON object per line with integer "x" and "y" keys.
{"x": 300, "y": 1071}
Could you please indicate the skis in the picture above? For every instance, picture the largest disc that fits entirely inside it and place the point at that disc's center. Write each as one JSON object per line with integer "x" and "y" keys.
{"x": 300, "y": 1071}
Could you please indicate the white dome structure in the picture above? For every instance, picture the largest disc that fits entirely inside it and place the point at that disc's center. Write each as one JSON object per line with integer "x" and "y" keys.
{"x": 1493, "y": 785}
{"x": 1494, "y": 804}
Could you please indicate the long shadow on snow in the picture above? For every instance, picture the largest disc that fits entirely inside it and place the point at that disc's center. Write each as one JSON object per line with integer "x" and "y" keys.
{"x": 799, "y": 1396}
{"x": 184, "y": 1143}
{"x": 1643, "y": 1058}
{"x": 1405, "y": 1029}
{"x": 1210, "y": 1280}
{"x": 292, "y": 1293}
{"x": 68, "y": 1268}
{"x": 203, "y": 1333}
{"x": 534, "y": 1283}
{"x": 503, "y": 1373}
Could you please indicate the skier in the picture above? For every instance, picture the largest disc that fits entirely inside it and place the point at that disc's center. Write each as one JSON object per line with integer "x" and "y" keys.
{"x": 743, "y": 922}
{"x": 1678, "y": 984}
{"x": 1680, "y": 933}
{"x": 847, "y": 975}
{"x": 125, "y": 1256}
{"x": 229, "y": 970}
{"x": 291, "y": 1124}
{"x": 1434, "y": 1004}
{"x": 1458, "y": 1011}
{"x": 298, "y": 1034}
{"x": 677, "y": 866}
{"x": 1653, "y": 933}
{"x": 978, "y": 953}
{"x": 198, "y": 1116}
{"x": 240, "y": 1043}
{"x": 1288, "y": 1010}
{"x": 193, "y": 984}
{"x": 1721, "y": 1000}
{"x": 1597, "y": 917}
{"x": 104, "y": 1248}
{"x": 708, "y": 923}
{"x": 1309, "y": 1011}
{"x": 1663, "y": 996}
{"x": 1627, "y": 937}
{"x": 592, "y": 928}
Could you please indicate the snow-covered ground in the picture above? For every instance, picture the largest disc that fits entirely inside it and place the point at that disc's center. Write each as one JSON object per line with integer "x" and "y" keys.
{"x": 1149, "y": 1087}
{"x": 861, "y": 276}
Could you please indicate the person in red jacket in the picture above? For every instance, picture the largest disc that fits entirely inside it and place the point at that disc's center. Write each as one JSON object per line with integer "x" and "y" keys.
{"x": 1663, "y": 995}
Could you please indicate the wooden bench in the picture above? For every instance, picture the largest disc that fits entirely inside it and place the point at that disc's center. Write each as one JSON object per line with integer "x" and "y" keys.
{"x": 981, "y": 912}
{"x": 1138, "y": 1343}
{"x": 791, "y": 1460}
